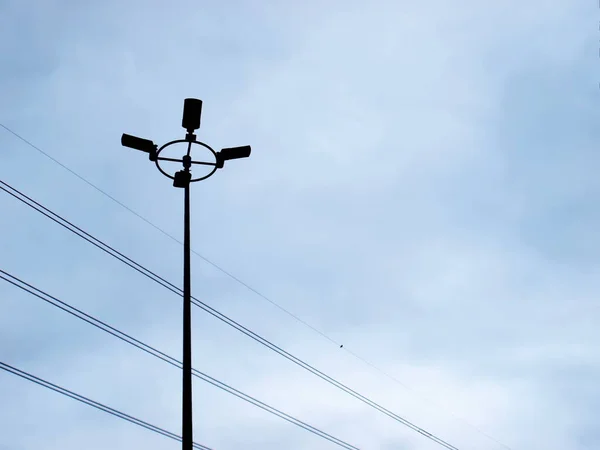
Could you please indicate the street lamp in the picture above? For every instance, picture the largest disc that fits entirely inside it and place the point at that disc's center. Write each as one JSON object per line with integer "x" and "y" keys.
{"x": 192, "y": 110}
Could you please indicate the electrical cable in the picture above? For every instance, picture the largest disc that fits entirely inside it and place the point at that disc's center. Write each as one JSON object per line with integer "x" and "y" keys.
{"x": 170, "y": 236}
{"x": 247, "y": 286}
{"x": 164, "y": 357}
{"x": 94, "y": 404}
{"x": 205, "y": 307}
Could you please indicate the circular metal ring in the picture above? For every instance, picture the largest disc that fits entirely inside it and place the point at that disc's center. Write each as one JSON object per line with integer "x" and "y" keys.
{"x": 178, "y": 141}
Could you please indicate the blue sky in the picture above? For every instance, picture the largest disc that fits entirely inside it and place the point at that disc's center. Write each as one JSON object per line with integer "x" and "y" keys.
{"x": 422, "y": 189}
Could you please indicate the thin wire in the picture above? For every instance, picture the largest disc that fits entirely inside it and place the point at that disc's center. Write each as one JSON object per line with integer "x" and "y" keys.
{"x": 170, "y": 236}
{"x": 94, "y": 404}
{"x": 164, "y": 357}
{"x": 247, "y": 286}
{"x": 173, "y": 288}
{"x": 170, "y": 286}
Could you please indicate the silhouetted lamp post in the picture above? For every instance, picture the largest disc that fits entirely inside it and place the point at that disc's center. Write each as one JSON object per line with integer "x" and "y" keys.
{"x": 192, "y": 110}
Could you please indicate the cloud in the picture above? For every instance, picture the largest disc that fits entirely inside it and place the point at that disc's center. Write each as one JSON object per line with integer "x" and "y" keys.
{"x": 421, "y": 189}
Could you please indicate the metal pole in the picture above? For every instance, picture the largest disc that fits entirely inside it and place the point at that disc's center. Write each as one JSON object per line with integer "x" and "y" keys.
{"x": 192, "y": 110}
{"x": 187, "y": 433}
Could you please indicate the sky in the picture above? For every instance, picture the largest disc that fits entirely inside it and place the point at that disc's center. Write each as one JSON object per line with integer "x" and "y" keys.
{"x": 422, "y": 189}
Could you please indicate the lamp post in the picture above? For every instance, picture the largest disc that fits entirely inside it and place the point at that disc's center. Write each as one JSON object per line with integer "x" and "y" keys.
{"x": 192, "y": 110}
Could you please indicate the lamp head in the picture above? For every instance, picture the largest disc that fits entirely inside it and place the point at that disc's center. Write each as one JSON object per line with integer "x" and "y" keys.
{"x": 192, "y": 110}
{"x": 137, "y": 143}
{"x": 235, "y": 152}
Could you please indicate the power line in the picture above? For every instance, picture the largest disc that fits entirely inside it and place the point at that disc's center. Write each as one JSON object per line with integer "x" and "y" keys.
{"x": 173, "y": 288}
{"x": 222, "y": 317}
{"x": 170, "y": 236}
{"x": 164, "y": 357}
{"x": 247, "y": 286}
{"x": 107, "y": 409}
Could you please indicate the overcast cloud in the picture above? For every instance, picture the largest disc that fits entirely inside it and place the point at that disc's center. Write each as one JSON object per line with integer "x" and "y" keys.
{"x": 423, "y": 189}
